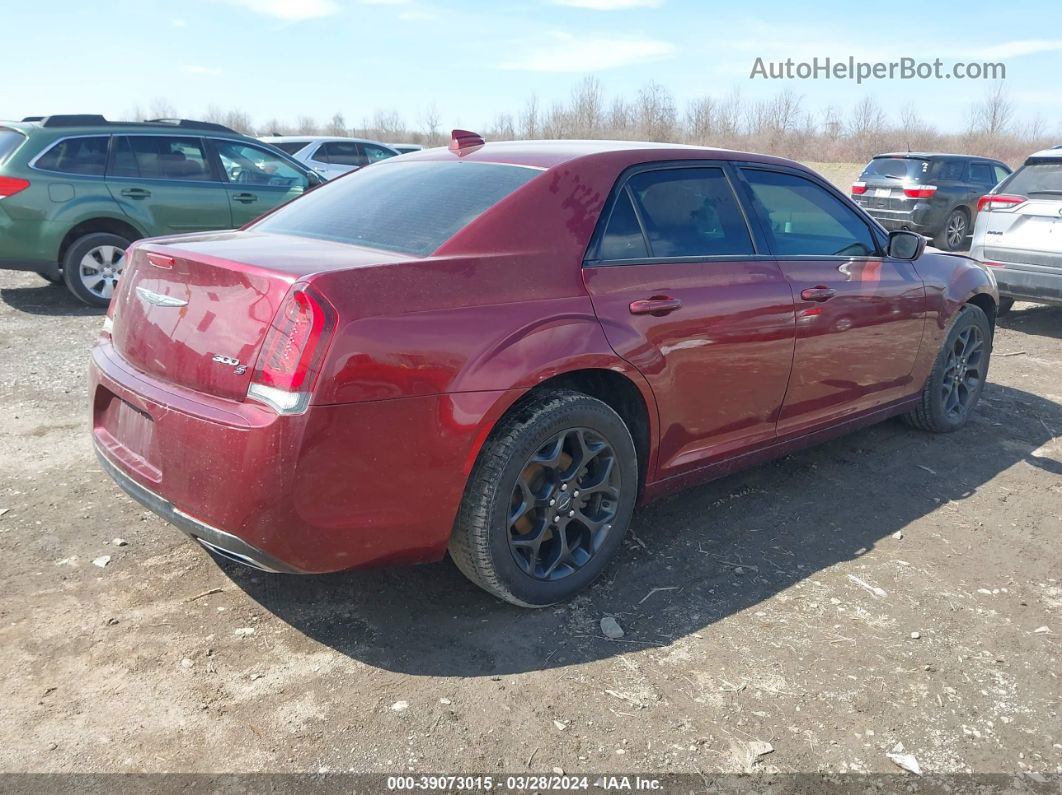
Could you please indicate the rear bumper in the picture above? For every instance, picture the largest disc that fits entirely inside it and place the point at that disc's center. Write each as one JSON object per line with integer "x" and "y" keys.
{"x": 920, "y": 218}
{"x": 339, "y": 487}
{"x": 218, "y": 541}
{"x": 1026, "y": 285}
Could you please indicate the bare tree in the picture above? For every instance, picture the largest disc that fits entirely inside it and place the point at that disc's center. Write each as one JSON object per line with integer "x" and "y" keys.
{"x": 529, "y": 121}
{"x": 701, "y": 120}
{"x": 429, "y": 122}
{"x": 586, "y": 108}
{"x": 338, "y": 125}
{"x": 866, "y": 118}
{"x": 992, "y": 115}
{"x": 655, "y": 113}
{"x": 162, "y": 109}
{"x": 306, "y": 125}
{"x": 503, "y": 128}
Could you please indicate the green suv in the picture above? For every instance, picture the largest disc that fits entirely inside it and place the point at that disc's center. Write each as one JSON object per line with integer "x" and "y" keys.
{"x": 75, "y": 191}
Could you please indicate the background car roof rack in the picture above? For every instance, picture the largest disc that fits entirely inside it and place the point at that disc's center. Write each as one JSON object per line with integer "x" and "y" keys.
{"x": 97, "y": 120}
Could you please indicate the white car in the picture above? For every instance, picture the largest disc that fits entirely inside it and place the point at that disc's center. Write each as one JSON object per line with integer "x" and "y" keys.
{"x": 331, "y": 156}
{"x": 1018, "y": 233}
{"x": 405, "y": 149}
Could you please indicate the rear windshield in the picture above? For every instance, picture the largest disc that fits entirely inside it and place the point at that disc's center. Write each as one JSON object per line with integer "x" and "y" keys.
{"x": 1039, "y": 176}
{"x": 908, "y": 169}
{"x": 291, "y": 147}
{"x": 9, "y": 142}
{"x": 411, "y": 208}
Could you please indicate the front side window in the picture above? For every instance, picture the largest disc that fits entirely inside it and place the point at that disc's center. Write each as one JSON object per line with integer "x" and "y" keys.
{"x": 246, "y": 164}
{"x": 374, "y": 153}
{"x": 160, "y": 157}
{"x": 804, "y": 219}
{"x": 690, "y": 212}
{"x": 412, "y": 208}
{"x": 84, "y": 156}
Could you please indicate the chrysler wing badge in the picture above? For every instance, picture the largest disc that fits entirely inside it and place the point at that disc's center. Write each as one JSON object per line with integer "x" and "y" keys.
{"x": 158, "y": 299}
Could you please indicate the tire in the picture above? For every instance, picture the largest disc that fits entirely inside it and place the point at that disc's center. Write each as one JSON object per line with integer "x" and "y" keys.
{"x": 953, "y": 234}
{"x": 1005, "y": 305}
{"x": 535, "y": 455}
{"x": 92, "y": 265}
{"x": 967, "y": 346}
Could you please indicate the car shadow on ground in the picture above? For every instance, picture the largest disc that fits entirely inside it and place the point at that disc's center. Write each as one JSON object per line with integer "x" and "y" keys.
{"x": 782, "y": 523}
{"x": 1038, "y": 319}
{"x": 47, "y": 299}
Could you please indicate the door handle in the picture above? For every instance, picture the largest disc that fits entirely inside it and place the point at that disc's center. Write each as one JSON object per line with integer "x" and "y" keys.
{"x": 245, "y": 198}
{"x": 136, "y": 193}
{"x": 658, "y": 306}
{"x": 819, "y": 293}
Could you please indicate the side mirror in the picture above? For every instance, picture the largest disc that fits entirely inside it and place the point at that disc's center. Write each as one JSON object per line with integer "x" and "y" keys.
{"x": 906, "y": 245}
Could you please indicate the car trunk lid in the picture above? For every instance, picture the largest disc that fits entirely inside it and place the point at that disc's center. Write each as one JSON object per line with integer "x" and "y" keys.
{"x": 194, "y": 311}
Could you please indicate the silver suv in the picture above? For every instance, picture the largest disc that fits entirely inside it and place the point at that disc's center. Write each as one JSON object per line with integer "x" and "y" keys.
{"x": 1019, "y": 232}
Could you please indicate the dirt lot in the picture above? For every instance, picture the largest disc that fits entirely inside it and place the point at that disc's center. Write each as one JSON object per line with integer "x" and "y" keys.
{"x": 889, "y": 587}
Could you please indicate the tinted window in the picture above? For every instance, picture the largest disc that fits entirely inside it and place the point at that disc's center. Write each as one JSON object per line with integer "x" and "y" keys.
{"x": 412, "y": 208}
{"x": 374, "y": 152}
{"x": 291, "y": 147}
{"x": 982, "y": 174}
{"x": 9, "y": 142}
{"x": 76, "y": 156}
{"x": 805, "y": 219}
{"x": 690, "y": 212}
{"x": 948, "y": 169}
{"x": 1043, "y": 176}
{"x": 623, "y": 236}
{"x": 340, "y": 153}
{"x": 1000, "y": 173}
{"x": 903, "y": 168}
{"x": 246, "y": 164}
{"x": 160, "y": 157}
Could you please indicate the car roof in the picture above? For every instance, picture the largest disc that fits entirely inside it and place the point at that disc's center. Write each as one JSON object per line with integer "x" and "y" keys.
{"x": 1054, "y": 151}
{"x": 932, "y": 155}
{"x": 67, "y": 124}
{"x": 313, "y": 139}
{"x": 547, "y": 154}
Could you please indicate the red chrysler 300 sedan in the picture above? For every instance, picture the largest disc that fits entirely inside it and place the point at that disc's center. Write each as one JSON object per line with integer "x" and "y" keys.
{"x": 500, "y": 349}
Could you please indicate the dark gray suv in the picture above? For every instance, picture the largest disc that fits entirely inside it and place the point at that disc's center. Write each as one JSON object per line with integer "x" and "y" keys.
{"x": 933, "y": 194}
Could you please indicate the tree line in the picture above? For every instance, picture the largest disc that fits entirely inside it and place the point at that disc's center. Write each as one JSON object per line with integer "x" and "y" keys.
{"x": 781, "y": 124}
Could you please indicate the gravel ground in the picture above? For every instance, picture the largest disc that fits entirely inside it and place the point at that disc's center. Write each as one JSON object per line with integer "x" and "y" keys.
{"x": 889, "y": 587}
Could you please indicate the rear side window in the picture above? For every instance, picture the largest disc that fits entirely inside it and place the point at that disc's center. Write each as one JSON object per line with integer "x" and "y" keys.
{"x": 908, "y": 169}
{"x": 411, "y": 208}
{"x": 291, "y": 147}
{"x": 623, "y": 237}
{"x": 1001, "y": 173}
{"x": 160, "y": 157}
{"x": 374, "y": 152}
{"x": 1038, "y": 177}
{"x": 84, "y": 156}
{"x": 948, "y": 169}
{"x": 10, "y": 140}
{"x": 804, "y": 219}
{"x": 690, "y": 212}
{"x": 340, "y": 153}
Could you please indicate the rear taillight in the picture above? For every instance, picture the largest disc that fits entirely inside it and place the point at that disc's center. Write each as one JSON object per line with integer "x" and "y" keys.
{"x": 859, "y": 188}
{"x": 920, "y": 191}
{"x": 999, "y": 201}
{"x": 292, "y": 352}
{"x": 9, "y": 186}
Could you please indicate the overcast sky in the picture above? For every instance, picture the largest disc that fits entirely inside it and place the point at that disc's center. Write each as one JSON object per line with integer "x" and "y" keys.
{"x": 474, "y": 59}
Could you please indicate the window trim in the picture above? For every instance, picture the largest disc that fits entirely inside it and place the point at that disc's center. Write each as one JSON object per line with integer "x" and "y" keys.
{"x": 106, "y": 165}
{"x": 590, "y": 258}
{"x": 878, "y": 233}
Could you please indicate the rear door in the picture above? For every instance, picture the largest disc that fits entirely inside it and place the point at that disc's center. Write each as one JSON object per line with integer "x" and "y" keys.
{"x": 257, "y": 180}
{"x": 166, "y": 184}
{"x": 684, "y": 295}
{"x": 859, "y": 314}
{"x": 337, "y": 158}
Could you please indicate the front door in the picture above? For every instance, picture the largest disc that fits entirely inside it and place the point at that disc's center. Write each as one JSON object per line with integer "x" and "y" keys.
{"x": 257, "y": 180}
{"x": 683, "y": 295}
{"x": 859, "y": 314}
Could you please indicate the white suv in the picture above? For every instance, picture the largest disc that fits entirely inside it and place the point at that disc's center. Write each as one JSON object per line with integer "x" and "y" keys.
{"x": 1019, "y": 232}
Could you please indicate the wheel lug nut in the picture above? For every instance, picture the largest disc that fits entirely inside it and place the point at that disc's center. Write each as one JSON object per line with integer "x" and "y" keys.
{"x": 571, "y": 514}
{"x": 552, "y": 502}
{"x": 564, "y": 487}
{"x": 575, "y": 493}
{"x": 556, "y": 518}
